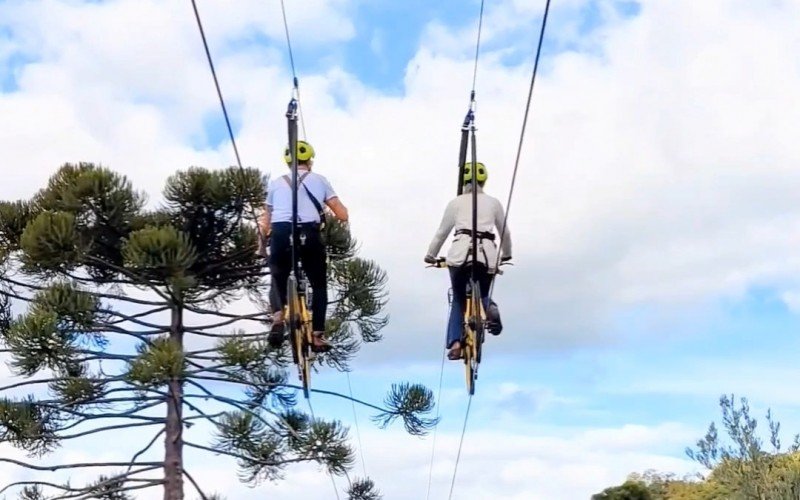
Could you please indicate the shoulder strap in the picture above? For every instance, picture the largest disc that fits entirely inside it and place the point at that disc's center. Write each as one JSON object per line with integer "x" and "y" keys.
{"x": 314, "y": 201}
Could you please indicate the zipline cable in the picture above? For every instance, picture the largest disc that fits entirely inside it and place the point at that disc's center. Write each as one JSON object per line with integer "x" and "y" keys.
{"x": 477, "y": 51}
{"x": 333, "y": 481}
{"x": 521, "y": 138}
{"x": 460, "y": 444}
{"x": 224, "y": 108}
{"x": 438, "y": 409}
{"x": 508, "y": 207}
{"x": 233, "y": 140}
{"x": 295, "y": 81}
{"x": 358, "y": 431}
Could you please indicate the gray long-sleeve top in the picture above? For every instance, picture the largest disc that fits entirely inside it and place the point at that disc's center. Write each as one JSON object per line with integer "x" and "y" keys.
{"x": 458, "y": 215}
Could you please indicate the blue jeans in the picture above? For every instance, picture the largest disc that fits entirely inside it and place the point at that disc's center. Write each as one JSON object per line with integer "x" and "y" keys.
{"x": 459, "y": 279}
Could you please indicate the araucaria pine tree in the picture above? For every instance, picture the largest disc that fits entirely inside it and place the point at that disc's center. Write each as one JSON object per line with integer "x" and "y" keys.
{"x": 119, "y": 319}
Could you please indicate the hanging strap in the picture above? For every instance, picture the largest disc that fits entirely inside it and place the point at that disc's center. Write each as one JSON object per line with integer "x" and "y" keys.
{"x": 313, "y": 198}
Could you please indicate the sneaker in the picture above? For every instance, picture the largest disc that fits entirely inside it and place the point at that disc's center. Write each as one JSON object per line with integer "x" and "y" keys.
{"x": 493, "y": 319}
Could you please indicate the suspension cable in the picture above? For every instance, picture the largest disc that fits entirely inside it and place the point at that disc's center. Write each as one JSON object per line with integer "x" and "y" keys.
{"x": 521, "y": 138}
{"x": 477, "y": 51}
{"x": 224, "y": 109}
{"x": 333, "y": 481}
{"x": 436, "y": 427}
{"x": 460, "y": 444}
{"x": 358, "y": 431}
{"x": 295, "y": 80}
{"x": 508, "y": 206}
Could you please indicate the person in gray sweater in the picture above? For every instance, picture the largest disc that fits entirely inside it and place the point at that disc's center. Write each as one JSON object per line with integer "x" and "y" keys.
{"x": 458, "y": 216}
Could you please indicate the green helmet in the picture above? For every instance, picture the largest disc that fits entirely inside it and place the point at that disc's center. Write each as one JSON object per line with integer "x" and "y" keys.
{"x": 481, "y": 177}
{"x": 304, "y": 152}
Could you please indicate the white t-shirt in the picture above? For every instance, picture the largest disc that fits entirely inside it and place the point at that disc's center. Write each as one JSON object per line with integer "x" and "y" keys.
{"x": 279, "y": 197}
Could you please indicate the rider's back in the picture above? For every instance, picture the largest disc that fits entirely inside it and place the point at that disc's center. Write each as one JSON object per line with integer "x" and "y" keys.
{"x": 458, "y": 216}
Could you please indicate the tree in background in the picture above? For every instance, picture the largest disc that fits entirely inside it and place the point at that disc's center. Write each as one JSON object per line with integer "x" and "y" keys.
{"x": 740, "y": 467}
{"x": 115, "y": 320}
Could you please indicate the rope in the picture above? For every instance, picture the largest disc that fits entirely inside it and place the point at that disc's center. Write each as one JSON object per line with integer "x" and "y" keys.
{"x": 295, "y": 81}
{"x": 477, "y": 51}
{"x": 438, "y": 408}
{"x": 460, "y": 444}
{"x": 333, "y": 481}
{"x": 224, "y": 108}
{"x": 521, "y": 138}
{"x": 358, "y": 431}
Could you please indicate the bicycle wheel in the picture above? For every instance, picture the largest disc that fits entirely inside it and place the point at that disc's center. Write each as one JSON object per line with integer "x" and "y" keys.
{"x": 296, "y": 334}
{"x": 478, "y": 322}
{"x": 467, "y": 345}
{"x": 305, "y": 342}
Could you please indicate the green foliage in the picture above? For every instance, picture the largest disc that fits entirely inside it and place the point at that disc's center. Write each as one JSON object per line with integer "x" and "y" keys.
{"x": 28, "y": 425}
{"x": 158, "y": 363}
{"x": 409, "y": 402}
{"x": 363, "y": 489}
{"x": 36, "y": 343}
{"x": 95, "y": 271}
{"x": 109, "y": 488}
{"x": 33, "y": 492}
{"x": 14, "y": 217}
{"x": 629, "y": 490}
{"x": 74, "y": 387}
{"x": 51, "y": 242}
{"x": 740, "y": 466}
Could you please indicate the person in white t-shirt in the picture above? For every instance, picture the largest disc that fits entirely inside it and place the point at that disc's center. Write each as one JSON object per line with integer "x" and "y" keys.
{"x": 313, "y": 194}
{"x": 458, "y": 216}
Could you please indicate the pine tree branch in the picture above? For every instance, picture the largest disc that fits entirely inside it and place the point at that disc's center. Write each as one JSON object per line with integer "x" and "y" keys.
{"x": 137, "y": 279}
{"x": 223, "y": 335}
{"x": 244, "y": 458}
{"x": 194, "y": 483}
{"x": 227, "y": 322}
{"x": 53, "y": 468}
{"x": 147, "y": 447}
{"x": 112, "y": 427}
{"x": 89, "y": 490}
{"x": 198, "y": 310}
{"x": 133, "y": 318}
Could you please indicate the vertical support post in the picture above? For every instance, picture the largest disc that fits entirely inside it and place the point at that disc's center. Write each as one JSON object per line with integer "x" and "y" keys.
{"x": 474, "y": 199}
{"x": 291, "y": 115}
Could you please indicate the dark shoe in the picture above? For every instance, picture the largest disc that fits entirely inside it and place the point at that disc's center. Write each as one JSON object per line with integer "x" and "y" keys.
{"x": 493, "y": 319}
{"x": 275, "y": 337}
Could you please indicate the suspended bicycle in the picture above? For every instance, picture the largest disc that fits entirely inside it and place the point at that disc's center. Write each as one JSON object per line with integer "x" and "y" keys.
{"x": 298, "y": 325}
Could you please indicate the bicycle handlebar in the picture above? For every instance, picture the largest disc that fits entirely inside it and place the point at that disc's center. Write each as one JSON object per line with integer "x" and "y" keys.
{"x": 441, "y": 263}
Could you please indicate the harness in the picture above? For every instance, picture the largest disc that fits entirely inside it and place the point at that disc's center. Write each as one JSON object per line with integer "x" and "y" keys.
{"x": 313, "y": 198}
{"x": 481, "y": 235}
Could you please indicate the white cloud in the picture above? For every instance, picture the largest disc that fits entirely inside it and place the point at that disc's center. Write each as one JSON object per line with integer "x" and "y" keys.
{"x": 661, "y": 170}
{"x": 520, "y": 466}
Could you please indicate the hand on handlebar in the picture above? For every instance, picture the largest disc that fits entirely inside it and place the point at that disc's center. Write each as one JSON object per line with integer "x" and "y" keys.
{"x": 435, "y": 261}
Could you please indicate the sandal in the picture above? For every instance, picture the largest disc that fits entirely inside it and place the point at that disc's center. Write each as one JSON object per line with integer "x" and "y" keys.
{"x": 454, "y": 354}
{"x": 320, "y": 344}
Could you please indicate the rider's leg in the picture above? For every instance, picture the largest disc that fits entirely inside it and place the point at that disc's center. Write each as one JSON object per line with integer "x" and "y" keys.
{"x": 458, "y": 283}
{"x": 314, "y": 260}
{"x": 490, "y": 306}
{"x": 280, "y": 263}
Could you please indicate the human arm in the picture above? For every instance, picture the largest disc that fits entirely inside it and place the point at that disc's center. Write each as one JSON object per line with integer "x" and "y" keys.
{"x": 333, "y": 202}
{"x": 505, "y": 240}
{"x": 445, "y": 226}
{"x": 338, "y": 208}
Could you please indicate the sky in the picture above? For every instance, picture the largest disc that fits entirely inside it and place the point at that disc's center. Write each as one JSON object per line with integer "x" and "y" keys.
{"x": 654, "y": 220}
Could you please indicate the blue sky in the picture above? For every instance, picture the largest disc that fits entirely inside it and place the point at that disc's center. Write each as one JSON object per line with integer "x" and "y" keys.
{"x": 654, "y": 249}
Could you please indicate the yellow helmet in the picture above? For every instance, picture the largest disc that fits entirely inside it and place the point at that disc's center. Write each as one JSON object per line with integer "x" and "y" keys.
{"x": 304, "y": 152}
{"x": 481, "y": 177}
